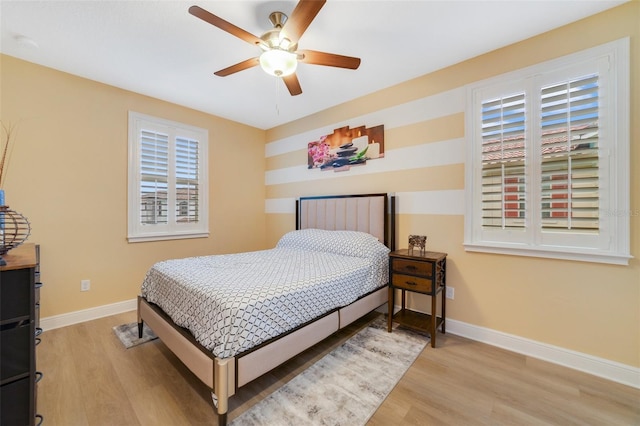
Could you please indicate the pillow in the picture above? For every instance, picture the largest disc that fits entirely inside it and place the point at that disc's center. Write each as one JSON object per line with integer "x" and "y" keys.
{"x": 346, "y": 243}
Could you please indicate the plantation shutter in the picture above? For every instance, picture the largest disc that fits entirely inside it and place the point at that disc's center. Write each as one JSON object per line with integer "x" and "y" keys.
{"x": 187, "y": 178}
{"x": 547, "y": 170}
{"x": 503, "y": 162}
{"x": 569, "y": 149}
{"x": 167, "y": 180}
{"x": 154, "y": 177}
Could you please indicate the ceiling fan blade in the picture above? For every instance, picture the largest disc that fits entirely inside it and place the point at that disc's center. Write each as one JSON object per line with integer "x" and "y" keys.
{"x": 224, "y": 25}
{"x": 301, "y": 18}
{"x": 240, "y": 66}
{"x": 292, "y": 83}
{"x": 328, "y": 59}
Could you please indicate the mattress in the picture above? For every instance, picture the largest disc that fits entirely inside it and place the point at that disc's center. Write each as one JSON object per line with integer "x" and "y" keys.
{"x": 231, "y": 303}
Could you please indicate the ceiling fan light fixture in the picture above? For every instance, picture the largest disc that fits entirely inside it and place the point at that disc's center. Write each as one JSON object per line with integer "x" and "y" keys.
{"x": 280, "y": 54}
{"x": 278, "y": 62}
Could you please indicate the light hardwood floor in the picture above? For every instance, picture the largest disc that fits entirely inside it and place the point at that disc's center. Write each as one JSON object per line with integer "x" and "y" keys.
{"x": 90, "y": 379}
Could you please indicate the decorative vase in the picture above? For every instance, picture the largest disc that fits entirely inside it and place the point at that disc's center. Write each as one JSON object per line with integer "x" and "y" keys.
{"x": 14, "y": 228}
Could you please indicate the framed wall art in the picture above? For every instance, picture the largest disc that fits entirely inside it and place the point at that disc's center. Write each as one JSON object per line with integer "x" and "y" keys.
{"x": 346, "y": 147}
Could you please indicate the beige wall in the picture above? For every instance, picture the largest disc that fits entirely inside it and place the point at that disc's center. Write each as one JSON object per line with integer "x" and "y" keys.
{"x": 68, "y": 175}
{"x": 587, "y": 307}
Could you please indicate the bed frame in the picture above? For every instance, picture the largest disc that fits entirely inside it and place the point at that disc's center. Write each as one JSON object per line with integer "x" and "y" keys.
{"x": 372, "y": 213}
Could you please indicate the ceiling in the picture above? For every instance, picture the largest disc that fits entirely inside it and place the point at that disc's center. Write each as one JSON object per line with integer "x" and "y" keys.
{"x": 158, "y": 49}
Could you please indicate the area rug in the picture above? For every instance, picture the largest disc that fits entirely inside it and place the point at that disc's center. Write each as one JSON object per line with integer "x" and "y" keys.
{"x": 128, "y": 334}
{"x": 346, "y": 386}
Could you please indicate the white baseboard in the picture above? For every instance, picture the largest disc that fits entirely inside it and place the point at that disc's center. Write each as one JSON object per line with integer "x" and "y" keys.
{"x": 63, "y": 320}
{"x": 610, "y": 370}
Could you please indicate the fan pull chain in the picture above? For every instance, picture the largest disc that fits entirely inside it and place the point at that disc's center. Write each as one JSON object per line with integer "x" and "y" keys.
{"x": 277, "y": 80}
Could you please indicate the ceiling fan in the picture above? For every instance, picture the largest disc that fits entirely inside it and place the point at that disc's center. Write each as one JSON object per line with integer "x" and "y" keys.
{"x": 280, "y": 56}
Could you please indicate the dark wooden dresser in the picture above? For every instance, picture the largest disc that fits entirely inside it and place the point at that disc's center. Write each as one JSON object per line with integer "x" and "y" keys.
{"x": 18, "y": 324}
{"x": 423, "y": 273}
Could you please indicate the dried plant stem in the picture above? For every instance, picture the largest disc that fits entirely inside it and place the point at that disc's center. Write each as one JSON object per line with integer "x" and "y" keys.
{"x": 8, "y": 130}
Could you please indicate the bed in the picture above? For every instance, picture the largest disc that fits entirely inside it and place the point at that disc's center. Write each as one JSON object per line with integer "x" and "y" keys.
{"x": 232, "y": 318}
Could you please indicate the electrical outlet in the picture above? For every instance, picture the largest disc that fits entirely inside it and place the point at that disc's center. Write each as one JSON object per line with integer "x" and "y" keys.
{"x": 85, "y": 285}
{"x": 451, "y": 293}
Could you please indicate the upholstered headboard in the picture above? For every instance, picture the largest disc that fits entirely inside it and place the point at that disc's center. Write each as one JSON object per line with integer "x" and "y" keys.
{"x": 372, "y": 213}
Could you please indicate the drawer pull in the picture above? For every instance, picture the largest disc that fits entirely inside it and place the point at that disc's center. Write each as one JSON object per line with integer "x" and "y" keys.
{"x": 411, "y": 267}
{"x": 410, "y": 283}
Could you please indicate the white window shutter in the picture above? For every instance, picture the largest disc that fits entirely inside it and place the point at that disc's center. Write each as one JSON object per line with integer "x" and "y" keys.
{"x": 167, "y": 180}
{"x": 187, "y": 180}
{"x": 154, "y": 177}
{"x": 570, "y": 160}
{"x": 547, "y": 170}
{"x": 503, "y": 157}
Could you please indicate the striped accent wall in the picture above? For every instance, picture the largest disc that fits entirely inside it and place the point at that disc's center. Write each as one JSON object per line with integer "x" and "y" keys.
{"x": 423, "y": 163}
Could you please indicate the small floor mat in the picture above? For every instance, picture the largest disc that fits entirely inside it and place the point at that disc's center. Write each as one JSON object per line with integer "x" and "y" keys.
{"x": 128, "y": 334}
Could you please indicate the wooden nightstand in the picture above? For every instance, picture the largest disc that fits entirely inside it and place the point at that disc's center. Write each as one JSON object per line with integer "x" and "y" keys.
{"x": 421, "y": 273}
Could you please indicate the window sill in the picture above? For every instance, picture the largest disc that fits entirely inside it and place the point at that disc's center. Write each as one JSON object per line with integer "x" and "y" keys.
{"x": 147, "y": 238}
{"x": 552, "y": 253}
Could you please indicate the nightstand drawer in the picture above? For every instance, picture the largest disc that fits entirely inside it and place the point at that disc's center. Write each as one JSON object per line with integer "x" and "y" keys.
{"x": 408, "y": 282}
{"x": 411, "y": 267}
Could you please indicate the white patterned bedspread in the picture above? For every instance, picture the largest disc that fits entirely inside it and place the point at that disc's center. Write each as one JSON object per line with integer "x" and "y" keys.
{"x": 231, "y": 303}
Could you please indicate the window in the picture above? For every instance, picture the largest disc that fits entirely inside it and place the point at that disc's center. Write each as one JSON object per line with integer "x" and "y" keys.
{"x": 167, "y": 180}
{"x": 547, "y": 169}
